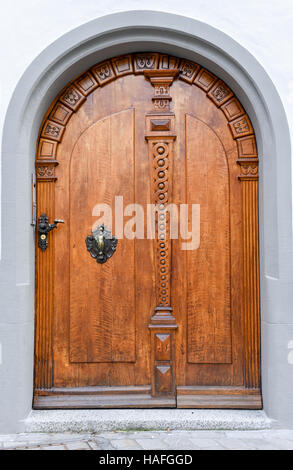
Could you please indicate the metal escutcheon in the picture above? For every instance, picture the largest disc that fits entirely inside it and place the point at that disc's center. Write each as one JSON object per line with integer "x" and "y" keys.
{"x": 101, "y": 244}
{"x": 44, "y": 228}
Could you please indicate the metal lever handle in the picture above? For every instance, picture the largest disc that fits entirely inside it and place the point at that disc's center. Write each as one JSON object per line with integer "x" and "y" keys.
{"x": 44, "y": 228}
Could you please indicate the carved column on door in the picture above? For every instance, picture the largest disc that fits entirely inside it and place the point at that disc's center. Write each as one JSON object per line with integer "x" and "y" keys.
{"x": 45, "y": 176}
{"x": 249, "y": 182}
{"x": 160, "y": 135}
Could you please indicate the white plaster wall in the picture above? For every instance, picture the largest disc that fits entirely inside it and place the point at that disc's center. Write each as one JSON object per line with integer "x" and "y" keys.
{"x": 28, "y": 27}
{"x": 264, "y": 27}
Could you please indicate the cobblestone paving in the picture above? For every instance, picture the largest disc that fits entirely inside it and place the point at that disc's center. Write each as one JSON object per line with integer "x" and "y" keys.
{"x": 159, "y": 440}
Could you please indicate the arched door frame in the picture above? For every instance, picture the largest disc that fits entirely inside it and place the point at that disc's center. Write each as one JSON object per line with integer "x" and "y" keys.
{"x": 59, "y": 63}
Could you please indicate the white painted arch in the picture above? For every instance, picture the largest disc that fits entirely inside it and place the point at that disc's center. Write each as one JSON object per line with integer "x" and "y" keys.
{"x": 59, "y": 63}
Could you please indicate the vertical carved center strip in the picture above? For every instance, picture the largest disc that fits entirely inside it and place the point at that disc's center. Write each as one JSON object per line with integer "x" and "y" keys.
{"x": 160, "y": 136}
{"x": 161, "y": 166}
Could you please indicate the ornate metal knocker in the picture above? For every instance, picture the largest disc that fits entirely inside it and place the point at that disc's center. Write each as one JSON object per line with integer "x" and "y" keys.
{"x": 44, "y": 228}
{"x": 101, "y": 244}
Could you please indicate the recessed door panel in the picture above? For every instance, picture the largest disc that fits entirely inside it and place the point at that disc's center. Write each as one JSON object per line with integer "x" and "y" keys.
{"x": 102, "y": 296}
{"x": 208, "y": 266}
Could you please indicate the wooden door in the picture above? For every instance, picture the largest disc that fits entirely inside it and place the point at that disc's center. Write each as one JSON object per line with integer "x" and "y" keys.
{"x": 166, "y": 321}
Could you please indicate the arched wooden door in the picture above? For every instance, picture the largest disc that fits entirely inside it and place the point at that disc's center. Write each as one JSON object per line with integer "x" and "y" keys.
{"x": 166, "y": 321}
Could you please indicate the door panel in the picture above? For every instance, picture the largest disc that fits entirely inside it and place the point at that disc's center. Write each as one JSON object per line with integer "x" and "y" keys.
{"x": 102, "y": 296}
{"x": 98, "y": 163}
{"x": 213, "y": 183}
{"x": 208, "y": 292}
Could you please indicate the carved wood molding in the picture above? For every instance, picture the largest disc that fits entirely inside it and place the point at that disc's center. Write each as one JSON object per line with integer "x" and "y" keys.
{"x": 161, "y": 81}
{"x": 160, "y": 66}
{"x": 162, "y": 322}
{"x": 161, "y": 156}
{"x": 249, "y": 186}
{"x": 45, "y": 169}
{"x": 248, "y": 169}
{"x": 160, "y": 135}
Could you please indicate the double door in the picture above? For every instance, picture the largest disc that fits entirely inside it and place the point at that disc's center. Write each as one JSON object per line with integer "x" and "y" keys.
{"x": 147, "y": 295}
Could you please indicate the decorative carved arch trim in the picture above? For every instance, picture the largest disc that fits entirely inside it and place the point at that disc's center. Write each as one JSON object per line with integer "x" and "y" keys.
{"x": 74, "y": 95}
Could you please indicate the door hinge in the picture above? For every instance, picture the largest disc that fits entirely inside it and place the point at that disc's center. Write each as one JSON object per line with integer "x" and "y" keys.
{"x": 34, "y": 200}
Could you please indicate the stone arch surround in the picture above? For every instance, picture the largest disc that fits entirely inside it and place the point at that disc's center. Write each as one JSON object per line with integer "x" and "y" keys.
{"x": 66, "y": 58}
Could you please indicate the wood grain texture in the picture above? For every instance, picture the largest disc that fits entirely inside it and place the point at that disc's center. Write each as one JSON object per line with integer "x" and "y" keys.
{"x": 102, "y": 296}
{"x": 97, "y": 390}
{"x": 205, "y": 373}
{"x": 73, "y": 96}
{"x": 238, "y": 402}
{"x": 251, "y": 283}
{"x": 43, "y": 376}
{"x": 160, "y": 143}
{"x": 218, "y": 397}
{"x": 103, "y": 401}
{"x": 92, "y": 339}
{"x": 208, "y": 267}
{"x": 110, "y": 100}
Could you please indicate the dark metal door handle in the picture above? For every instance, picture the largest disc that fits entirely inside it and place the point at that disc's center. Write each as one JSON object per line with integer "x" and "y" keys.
{"x": 44, "y": 228}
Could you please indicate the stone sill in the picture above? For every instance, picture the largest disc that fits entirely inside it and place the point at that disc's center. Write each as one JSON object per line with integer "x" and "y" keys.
{"x": 144, "y": 419}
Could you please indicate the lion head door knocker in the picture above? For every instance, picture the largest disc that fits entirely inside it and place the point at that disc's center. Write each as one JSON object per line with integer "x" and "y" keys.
{"x": 101, "y": 244}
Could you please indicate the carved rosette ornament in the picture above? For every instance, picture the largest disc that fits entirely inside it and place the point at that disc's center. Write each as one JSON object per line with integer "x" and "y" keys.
{"x": 45, "y": 170}
{"x": 248, "y": 169}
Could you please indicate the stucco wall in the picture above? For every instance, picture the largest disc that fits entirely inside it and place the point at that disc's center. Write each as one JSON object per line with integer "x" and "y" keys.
{"x": 264, "y": 28}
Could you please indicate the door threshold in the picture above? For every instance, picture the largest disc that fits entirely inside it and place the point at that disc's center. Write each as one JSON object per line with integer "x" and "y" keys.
{"x": 218, "y": 397}
{"x": 144, "y": 419}
{"x": 92, "y": 401}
